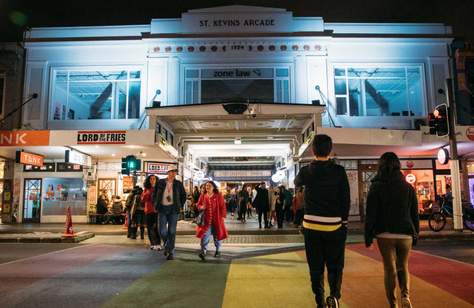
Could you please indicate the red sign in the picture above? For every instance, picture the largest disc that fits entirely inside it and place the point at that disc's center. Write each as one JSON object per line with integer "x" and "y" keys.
{"x": 29, "y": 159}
{"x": 470, "y": 133}
{"x": 24, "y": 137}
{"x": 102, "y": 137}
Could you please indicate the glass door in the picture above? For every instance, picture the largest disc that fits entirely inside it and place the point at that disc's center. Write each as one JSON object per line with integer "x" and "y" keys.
{"x": 32, "y": 200}
{"x": 366, "y": 174}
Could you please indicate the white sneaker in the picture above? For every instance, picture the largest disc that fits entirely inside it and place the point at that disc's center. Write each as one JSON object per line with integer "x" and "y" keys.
{"x": 406, "y": 303}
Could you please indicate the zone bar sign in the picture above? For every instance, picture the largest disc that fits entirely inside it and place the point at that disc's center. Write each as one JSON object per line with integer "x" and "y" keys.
{"x": 29, "y": 158}
{"x": 102, "y": 137}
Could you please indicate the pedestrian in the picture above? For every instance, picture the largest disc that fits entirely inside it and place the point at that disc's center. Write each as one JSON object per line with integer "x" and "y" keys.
{"x": 151, "y": 216}
{"x": 392, "y": 218}
{"x": 243, "y": 201}
{"x": 137, "y": 214}
{"x": 262, "y": 204}
{"x": 169, "y": 200}
{"x": 128, "y": 213}
{"x": 279, "y": 199}
{"x": 271, "y": 210}
{"x": 101, "y": 207}
{"x": 287, "y": 205}
{"x": 252, "y": 194}
{"x": 213, "y": 205}
{"x": 298, "y": 202}
{"x": 327, "y": 204}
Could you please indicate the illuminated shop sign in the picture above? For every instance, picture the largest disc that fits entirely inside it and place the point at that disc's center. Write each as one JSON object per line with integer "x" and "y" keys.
{"x": 410, "y": 178}
{"x": 29, "y": 158}
{"x": 75, "y": 157}
{"x": 225, "y": 22}
{"x": 24, "y": 138}
{"x": 237, "y": 73}
{"x": 159, "y": 168}
{"x": 102, "y": 137}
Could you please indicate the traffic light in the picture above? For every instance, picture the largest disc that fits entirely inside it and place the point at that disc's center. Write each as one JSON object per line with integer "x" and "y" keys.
{"x": 130, "y": 164}
{"x": 438, "y": 121}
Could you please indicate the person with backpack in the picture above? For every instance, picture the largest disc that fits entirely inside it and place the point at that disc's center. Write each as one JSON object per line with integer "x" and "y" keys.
{"x": 137, "y": 214}
{"x": 392, "y": 218}
{"x": 326, "y": 209}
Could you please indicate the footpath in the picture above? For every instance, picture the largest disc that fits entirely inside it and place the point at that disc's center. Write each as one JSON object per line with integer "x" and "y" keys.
{"x": 248, "y": 232}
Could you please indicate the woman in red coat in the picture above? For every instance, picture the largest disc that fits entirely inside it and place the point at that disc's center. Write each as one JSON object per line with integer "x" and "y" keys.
{"x": 213, "y": 205}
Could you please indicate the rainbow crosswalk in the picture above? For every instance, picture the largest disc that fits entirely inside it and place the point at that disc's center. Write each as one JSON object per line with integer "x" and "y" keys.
{"x": 117, "y": 276}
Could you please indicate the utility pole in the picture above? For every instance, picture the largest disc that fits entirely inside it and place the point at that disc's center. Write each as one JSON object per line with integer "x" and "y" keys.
{"x": 454, "y": 162}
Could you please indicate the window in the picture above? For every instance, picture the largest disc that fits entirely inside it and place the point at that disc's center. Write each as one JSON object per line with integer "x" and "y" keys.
{"x": 2, "y": 93}
{"x": 111, "y": 94}
{"x": 221, "y": 84}
{"x": 379, "y": 91}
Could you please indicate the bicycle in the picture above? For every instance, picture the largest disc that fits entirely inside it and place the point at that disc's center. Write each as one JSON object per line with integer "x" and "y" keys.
{"x": 437, "y": 220}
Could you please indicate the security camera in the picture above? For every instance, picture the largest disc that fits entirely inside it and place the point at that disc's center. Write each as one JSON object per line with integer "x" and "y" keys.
{"x": 253, "y": 112}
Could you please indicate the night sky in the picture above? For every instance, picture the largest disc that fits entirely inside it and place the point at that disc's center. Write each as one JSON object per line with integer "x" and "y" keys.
{"x": 15, "y": 15}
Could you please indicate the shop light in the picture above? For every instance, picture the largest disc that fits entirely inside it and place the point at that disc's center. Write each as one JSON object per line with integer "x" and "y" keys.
{"x": 113, "y": 154}
{"x": 237, "y": 141}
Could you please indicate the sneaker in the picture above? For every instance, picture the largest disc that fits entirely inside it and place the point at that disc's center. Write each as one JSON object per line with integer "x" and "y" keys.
{"x": 406, "y": 303}
{"x": 202, "y": 255}
{"x": 166, "y": 253}
{"x": 170, "y": 257}
{"x": 158, "y": 247}
{"x": 217, "y": 254}
{"x": 332, "y": 302}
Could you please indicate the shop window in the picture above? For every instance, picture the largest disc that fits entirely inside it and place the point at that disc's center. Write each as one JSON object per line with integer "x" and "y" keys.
{"x": 379, "y": 91}
{"x": 96, "y": 94}
{"x": 61, "y": 193}
{"x": 107, "y": 186}
{"x": 2, "y": 93}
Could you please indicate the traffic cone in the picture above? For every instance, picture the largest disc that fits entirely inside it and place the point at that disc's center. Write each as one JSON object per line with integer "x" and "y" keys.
{"x": 125, "y": 224}
{"x": 69, "y": 232}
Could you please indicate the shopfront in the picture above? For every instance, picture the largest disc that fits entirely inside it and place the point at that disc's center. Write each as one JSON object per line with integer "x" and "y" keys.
{"x": 470, "y": 171}
{"x": 50, "y": 190}
{"x": 427, "y": 176}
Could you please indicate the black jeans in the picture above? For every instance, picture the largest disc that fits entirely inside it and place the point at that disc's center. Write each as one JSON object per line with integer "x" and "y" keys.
{"x": 262, "y": 212}
{"x": 280, "y": 215}
{"x": 325, "y": 249}
{"x": 152, "y": 229}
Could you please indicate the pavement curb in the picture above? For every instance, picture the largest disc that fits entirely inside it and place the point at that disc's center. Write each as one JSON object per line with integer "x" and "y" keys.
{"x": 45, "y": 237}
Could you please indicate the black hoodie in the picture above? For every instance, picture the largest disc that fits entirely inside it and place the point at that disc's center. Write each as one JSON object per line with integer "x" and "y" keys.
{"x": 326, "y": 189}
{"x": 391, "y": 207}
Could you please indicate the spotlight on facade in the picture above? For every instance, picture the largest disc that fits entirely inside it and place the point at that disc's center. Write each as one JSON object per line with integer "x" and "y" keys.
{"x": 235, "y": 108}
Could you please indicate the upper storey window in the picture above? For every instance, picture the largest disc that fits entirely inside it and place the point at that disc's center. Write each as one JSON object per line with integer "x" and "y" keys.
{"x": 379, "y": 91}
{"x": 95, "y": 94}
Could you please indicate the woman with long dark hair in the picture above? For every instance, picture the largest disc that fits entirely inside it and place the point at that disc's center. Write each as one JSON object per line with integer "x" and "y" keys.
{"x": 392, "y": 218}
{"x": 213, "y": 204}
{"x": 150, "y": 213}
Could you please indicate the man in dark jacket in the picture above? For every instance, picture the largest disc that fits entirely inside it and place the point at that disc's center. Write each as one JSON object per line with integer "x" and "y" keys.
{"x": 327, "y": 203}
{"x": 169, "y": 198}
{"x": 262, "y": 204}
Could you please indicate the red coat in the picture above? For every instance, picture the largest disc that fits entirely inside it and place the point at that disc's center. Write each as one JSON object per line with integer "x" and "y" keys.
{"x": 214, "y": 213}
{"x": 147, "y": 199}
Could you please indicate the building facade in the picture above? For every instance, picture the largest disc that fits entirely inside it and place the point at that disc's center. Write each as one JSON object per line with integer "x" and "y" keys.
{"x": 369, "y": 86}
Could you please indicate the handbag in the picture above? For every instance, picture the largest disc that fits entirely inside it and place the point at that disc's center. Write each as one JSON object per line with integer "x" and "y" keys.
{"x": 200, "y": 219}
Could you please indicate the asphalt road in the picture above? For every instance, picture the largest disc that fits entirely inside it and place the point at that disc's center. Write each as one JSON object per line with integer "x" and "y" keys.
{"x": 126, "y": 275}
